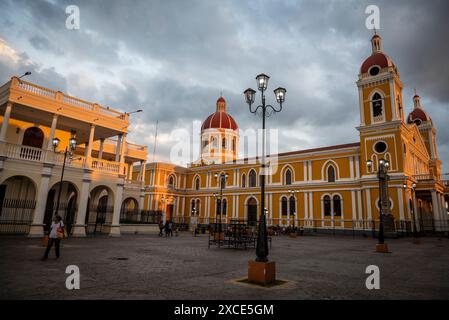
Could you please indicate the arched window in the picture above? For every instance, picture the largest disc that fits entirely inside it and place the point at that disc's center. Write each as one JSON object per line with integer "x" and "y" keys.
{"x": 284, "y": 206}
{"x": 337, "y": 205}
{"x": 192, "y": 207}
{"x": 330, "y": 174}
{"x": 33, "y": 137}
{"x": 288, "y": 177}
{"x": 225, "y": 206}
{"x": 223, "y": 143}
{"x": 218, "y": 209}
{"x": 197, "y": 206}
{"x": 213, "y": 142}
{"x": 252, "y": 179}
{"x": 327, "y": 205}
{"x": 171, "y": 182}
{"x": 197, "y": 183}
{"x": 292, "y": 204}
{"x": 223, "y": 181}
{"x": 243, "y": 181}
{"x": 377, "y": 107}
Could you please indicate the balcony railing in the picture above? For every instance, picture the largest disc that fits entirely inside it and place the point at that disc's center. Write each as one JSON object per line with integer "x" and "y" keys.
{"x": 15, "y": 151}
{"x": 72, "y": 101}
{"x": 423, "y": 177}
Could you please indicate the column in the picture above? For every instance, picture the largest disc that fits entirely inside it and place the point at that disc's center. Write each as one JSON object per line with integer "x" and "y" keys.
{"x": 351, "y": 167}
{"x": 444, "y": 214}
{"x": 359, "y": 209}
{"x": 435, "y": 209}
{"x": 122, "y": 149}
{"x": 150, "y": 201}
{"x": 52, "y": 132}
{"x": 354, "y": 210}
{"x": 311, "y": 216}
{"x": 142, "y": 171}
{"x": 118, "y": 147}
{"x": 306, "y": 208}
{"x": 5, "y": 122}
{"x": 100, "y": 152}
{"x": 79, "y": 229}
{"x": 368, "y": 204}
{"x": 237, "y": 206}
{"x": 88, "y": 153}
{"x": 357, "y": 167}
{"x": 115, "y": 226}
{"x": 37, "y": 226}
{"x": 401, "y": 204}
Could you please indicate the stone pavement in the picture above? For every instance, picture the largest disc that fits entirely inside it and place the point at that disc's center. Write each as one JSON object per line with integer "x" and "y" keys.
{"x": 317, "y": 267}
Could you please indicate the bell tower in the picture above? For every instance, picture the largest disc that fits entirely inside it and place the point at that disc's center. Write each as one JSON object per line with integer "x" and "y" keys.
{"x": 381, "y": 108}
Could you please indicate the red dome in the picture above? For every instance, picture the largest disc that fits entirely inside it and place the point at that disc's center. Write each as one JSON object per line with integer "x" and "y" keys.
{"x": 377, "y": 59}
{"x": 219, "y": 120}
{"x": 416, "y": 114}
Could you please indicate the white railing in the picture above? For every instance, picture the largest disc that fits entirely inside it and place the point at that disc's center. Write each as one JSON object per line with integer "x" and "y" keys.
{"x": 25, "y": 153}
{"x": 20, "y": 152}
{"x": 41, "y": 91}
{"x": 105, "y": 166}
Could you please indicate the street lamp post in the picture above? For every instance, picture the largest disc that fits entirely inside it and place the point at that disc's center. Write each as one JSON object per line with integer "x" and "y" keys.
{"x": 262, "y": 238}
{"x": 221, "y": 178}
{"x": 384, "y": 203}
{"x": 68, "y": 150}
{"x": 292, "y": 194}
{"x": 415, "y": 230}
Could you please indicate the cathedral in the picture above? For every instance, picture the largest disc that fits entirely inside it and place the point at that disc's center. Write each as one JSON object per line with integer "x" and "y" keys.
{"x": 333, "y": 187}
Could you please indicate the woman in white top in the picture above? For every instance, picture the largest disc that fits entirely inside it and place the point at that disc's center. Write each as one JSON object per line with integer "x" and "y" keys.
{"x": 57, "y": 226}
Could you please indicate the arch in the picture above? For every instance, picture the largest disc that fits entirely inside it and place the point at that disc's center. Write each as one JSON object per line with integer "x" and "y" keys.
{"x": 225, "y": 206}
{"x": 288, "y": 175}
{"x": 129, "y": 210}
{"x": 292, "y": 205}
{"x": 284, "y": 206}
{"x": 171, "y": 181}
{"x": 325, "y": 174}
{"x": 33, "y": 137}
{"x": 377, "y": 106}
{"x": 251, "y": 210}
{"x": 100, "y": 209}
{"x": 198, "y": 206}
{"x": 330, "y": 173}
{"x": 337, "y": 207}
{"x": 243, "y": 180}
{"x": 67, "y": 207}
{"x": 224, "y": 143}
{"x": 196, "y": 182}
{"x": 327, "y": 205}
{"x": 252, "y": 179}
{"x": 17, "y": 204}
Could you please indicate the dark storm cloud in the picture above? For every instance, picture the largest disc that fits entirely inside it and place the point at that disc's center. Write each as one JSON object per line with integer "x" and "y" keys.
{"x": 174, "y": 57}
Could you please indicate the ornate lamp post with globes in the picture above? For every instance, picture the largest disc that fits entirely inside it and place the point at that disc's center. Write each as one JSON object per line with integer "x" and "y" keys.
{"x": 384, "y": 200}
{"x": 261, "y": 271}
{"x": 68, "y": 150}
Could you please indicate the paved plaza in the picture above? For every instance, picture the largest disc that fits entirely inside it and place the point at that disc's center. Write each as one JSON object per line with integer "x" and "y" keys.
{"x": 151, "y": 267}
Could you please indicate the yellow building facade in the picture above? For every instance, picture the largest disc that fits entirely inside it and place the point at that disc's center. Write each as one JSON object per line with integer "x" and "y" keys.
{"x": 322, "y": 188}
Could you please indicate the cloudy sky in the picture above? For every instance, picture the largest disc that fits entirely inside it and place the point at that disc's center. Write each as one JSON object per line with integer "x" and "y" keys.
{"x": 174, "y": 58}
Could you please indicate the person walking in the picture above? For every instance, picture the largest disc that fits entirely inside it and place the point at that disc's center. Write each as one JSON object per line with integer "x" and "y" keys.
{"x": 167, "y": 228}
{"x": 161, "y": 228}
{"x": 55, "y": 236}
